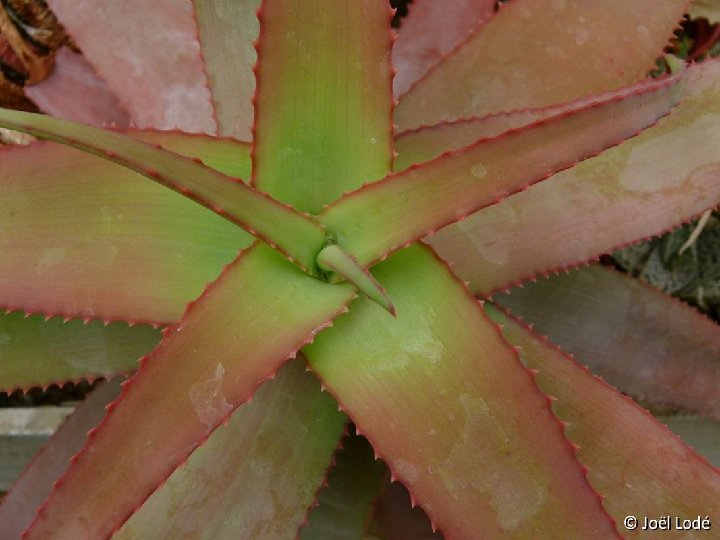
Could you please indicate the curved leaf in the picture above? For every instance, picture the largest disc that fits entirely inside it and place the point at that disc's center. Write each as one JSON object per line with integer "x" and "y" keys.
{"x": 653, "y": 182}
{"x": 446, "y": 403}
{"x": 236, "y": 335}
{"x": 382, "y": 217}
{"x": 640, "y": 340}
{"x": 535, "y": 53}
{"x": 294, "y": 234}
{"x": 256, "y": 476}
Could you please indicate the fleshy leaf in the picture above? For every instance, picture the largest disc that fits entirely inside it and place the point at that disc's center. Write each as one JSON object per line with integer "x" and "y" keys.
{"x": 432, "y": 391}
{"x": 394, "y": 517}
{"x": 521, "y": 58}
{"x": 345, "y": 504}
{"x": 149, "y": 55}
{"x": 638, "y": 339}
{"x": 640, "y": 467}
{"x": 295, "y": 235}
{"x": 706, "y": 9}
{"x": 255, "y": 477}
{"x": 653, "y": 182}
{"x": 74, "y": 91}
{"x": 108, "y": 243}
{"x": 323, "y": 104}
{"x": 35, "y": 352}
{"x": 382, "y": 217}
{"x": 227, "y": 30}
{"x": 699, "y": 433}
{"x": 17, "y": 509}
{"x": 430, "y": 31}
{"x": 210, "y": 363}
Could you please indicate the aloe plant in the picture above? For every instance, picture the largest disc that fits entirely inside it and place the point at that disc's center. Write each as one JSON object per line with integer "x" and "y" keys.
{"x": 304, "y": 230}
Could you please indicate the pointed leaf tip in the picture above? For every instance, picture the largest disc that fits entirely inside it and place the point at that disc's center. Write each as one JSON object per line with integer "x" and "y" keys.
{"x": 332, "y": 258}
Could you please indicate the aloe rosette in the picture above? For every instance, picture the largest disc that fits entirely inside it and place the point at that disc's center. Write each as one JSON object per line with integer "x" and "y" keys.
{"x": 291, "y": 250}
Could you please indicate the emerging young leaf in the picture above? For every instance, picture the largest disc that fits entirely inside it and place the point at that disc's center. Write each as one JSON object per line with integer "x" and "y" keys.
{"x": 382, "y": 217}
{"x": 295, "y": 235}
{"x": 640, "y": 467}
{"x": 535, "y": 53}
{"x": 655, "y": 181}
{"x": 256, "y": 476}
{"x": 641, "y": 341}
{"x": 445, "y": 401}
{"x": 236, "y": 335}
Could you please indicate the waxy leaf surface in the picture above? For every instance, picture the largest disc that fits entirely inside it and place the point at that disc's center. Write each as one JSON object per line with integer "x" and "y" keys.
{"x": 108, "y": 243}
{"x": 638, "y": 339}
{"x": 382, "y": 217}
{"x": 294, "y": 234}
{"x": 345, "y": 504}
{"x": 653, "y": 182}
{"x": 18, "y": 507}
{"x": 534, "y": 53}
{"x": 429, "y": 32}
{"x": 323, "y": 109}
{"x": 74, "y": 91}
{"x": 640, "y": 467}
{"x": 35, "y": 352}
{"x": 446, "y": 403}
{"x": 236, "y": 335}
{"x": 256, "y": 476}
{"x": 227, "y": 30}
{"x": 149, "y": 55}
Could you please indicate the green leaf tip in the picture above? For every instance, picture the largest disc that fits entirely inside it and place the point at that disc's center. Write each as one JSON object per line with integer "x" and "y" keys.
{"x": 333, "y": 259}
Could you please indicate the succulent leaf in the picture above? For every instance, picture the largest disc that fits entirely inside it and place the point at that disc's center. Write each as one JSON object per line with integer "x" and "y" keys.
{"x": 324, "y": 102}
{"x": 36, "y": 352}
{"x": 382, "y": 217}
{"x": 651, "y": 183}
{"x": 227, "y": 30}
{"x": 536, "y": 53}
{"x": 256, "y": 476}
{"x": 36, "y": 483}
{"x": 149, "y": 55}
{"x": 640, "y": 340}
{"x": 483, "y": 455}
{"x": 430, "y": 31}
{"x": 344, "y": 505}
{"x": 108, "y": 244}
{"x": 258, "y": 313}
{"x": 394, "y": 516}
{"x": 295, "y": 235}
{"x": 640, "y": 467}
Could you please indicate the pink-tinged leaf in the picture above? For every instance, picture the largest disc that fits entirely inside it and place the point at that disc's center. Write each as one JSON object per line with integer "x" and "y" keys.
{"x": 74, "y": 91}
{"x": 394, "y": 517}
{"x": 227, "y": 30}
{"x": 634, "y": 461}
{"x": 447, "y": 404}
{"x": 385, "y": 216}
{"x": 35, "y": 352}
{"x": 324, "y": 99}
{"x": 345, "y": 504}
{"x": 430, "y": 31}
{"x": 701, "y": 434}
{"x": 651, "y": 183}
{"x": 18, "y": 506}
{"x": 107, "y": 243}
{"x": 640, "y": 340}
{"x": 296, "y": 235}
{"x": 258, "y": 313}
{"x": 149, "y": 55}
{"x": 256, "y": 476}
{"x": 428, "y": 142}
{"x": 534, "y": 53}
